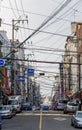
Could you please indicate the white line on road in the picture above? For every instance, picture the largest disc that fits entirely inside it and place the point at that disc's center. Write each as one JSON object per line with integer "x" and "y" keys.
{"x": 38, "y": 114}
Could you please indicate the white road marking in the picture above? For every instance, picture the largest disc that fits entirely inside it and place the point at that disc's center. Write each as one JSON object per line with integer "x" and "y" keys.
{"x": 43, "y": 114}
{"x": 60, "y": 118}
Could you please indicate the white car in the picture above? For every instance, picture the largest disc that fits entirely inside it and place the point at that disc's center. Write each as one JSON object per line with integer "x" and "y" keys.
{"x": 6, "y": 111}
{"x": 71, "y": 107}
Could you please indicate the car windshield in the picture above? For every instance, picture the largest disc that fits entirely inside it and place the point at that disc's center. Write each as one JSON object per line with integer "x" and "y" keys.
{"x": 72, "y": 104}
{"x": 12, "y": 102}
{"x": 26, "y": 104}
{"x": 63, "y": 101}
{"x": 4, "y": 108}
{"x": 60, "y": 101}
{"x": 79, "y": 115}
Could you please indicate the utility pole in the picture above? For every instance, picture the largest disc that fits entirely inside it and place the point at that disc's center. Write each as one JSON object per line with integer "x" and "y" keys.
{"x": 14, "y": 22}
{"x": 12, "y": 62}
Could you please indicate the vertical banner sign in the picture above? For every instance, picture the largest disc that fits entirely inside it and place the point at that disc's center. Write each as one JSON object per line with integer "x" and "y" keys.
{"x": 6, "y": 79}
{"x": 61, "y": 77}
{"x": 69, "y": 76}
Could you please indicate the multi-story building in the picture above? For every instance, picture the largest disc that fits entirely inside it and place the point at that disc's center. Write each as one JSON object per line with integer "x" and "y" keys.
{"x": 73, "y": 60}
{"x": 5, "y": 83}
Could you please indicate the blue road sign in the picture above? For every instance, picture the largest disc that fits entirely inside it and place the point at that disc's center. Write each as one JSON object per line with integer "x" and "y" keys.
{"x": 30, "y": 72}
{"x": 2, "y": 62}
{"x": 21, "y": 77}
{"x": 21, "y": 80}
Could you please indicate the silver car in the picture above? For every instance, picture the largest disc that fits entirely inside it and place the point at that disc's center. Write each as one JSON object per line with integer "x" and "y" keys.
{"x": 5, "y": 111}
{"x": 76, "y": 119}
{"x": 71, "y": 107}
{"x": 59, "y": 104}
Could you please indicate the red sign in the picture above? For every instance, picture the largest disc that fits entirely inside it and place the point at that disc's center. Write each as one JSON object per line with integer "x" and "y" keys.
{"x": 69, "y": 93}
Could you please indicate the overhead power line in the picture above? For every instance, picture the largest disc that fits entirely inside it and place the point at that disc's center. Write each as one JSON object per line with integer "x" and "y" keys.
{"x": 47, "y": 32}
{"x": 38, "y": 61}
{"x": 43, "y": 24}
{"x": 46, "y": 21}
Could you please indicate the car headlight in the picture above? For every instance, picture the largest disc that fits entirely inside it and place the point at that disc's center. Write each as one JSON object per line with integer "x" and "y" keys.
{"x": 76, "y": 120}
{"x": 8, "y": 112}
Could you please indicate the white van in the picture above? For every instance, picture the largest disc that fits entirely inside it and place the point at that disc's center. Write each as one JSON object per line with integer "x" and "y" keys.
{"x": 16, "y": 102}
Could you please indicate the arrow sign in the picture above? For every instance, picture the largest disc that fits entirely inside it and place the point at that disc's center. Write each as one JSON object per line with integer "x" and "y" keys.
{"x": 2, "y": 62}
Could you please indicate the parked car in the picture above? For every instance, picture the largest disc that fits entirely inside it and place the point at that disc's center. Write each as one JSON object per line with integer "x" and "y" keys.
{"x": 71, "y": 107}
{"x": 44, "y": 107}
{"x": 59, "y": 104}
{"x": 6, "y": 111}
{"x": 14, "y": 111}
{"x": 26, "y": 106}
{"x": 76, "y": 119}
{"x": 16, "y": 102}
{"x": 0, "y": 122}
{"x": 34, "y": 108}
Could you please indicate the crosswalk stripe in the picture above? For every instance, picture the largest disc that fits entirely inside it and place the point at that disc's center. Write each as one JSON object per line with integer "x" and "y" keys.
{"x": 38, "y": 114}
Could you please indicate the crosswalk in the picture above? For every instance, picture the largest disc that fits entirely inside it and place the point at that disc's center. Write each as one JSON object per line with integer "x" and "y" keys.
{"x": 43, "y": 114}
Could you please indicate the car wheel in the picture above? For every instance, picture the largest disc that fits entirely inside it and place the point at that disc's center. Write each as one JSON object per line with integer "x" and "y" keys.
{"x": 65, "y": 112}
{"x": 0, "y": 127}
{"x": 75, "y": 125}
{"x": 71, "y": 123}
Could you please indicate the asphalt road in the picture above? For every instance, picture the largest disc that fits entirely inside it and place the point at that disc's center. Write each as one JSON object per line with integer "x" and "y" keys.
{"x": 38, "y": 121}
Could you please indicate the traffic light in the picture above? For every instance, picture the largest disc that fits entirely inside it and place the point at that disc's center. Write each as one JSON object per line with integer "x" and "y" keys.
{"x": 42, "y": 74}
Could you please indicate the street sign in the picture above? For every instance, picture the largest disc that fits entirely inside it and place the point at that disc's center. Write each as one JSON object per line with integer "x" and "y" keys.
{"x": 21, "y": 80}
{"x": 30, "y": 72}
{"x": 21, "y": 76}
{"x": 2, "y": 62}
{"x": 69, "y": 93}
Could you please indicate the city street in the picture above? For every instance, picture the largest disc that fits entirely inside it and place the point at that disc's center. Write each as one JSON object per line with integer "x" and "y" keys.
{"x": 40, "y": 64}
{"x": 33, "y": 121}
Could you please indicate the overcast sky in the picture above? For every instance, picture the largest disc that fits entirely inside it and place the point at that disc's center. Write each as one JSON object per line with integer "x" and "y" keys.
{"x": 52, "y": 36}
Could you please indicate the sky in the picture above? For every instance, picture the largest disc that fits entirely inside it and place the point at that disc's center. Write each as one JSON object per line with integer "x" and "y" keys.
{"x": 48, "y": 43}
